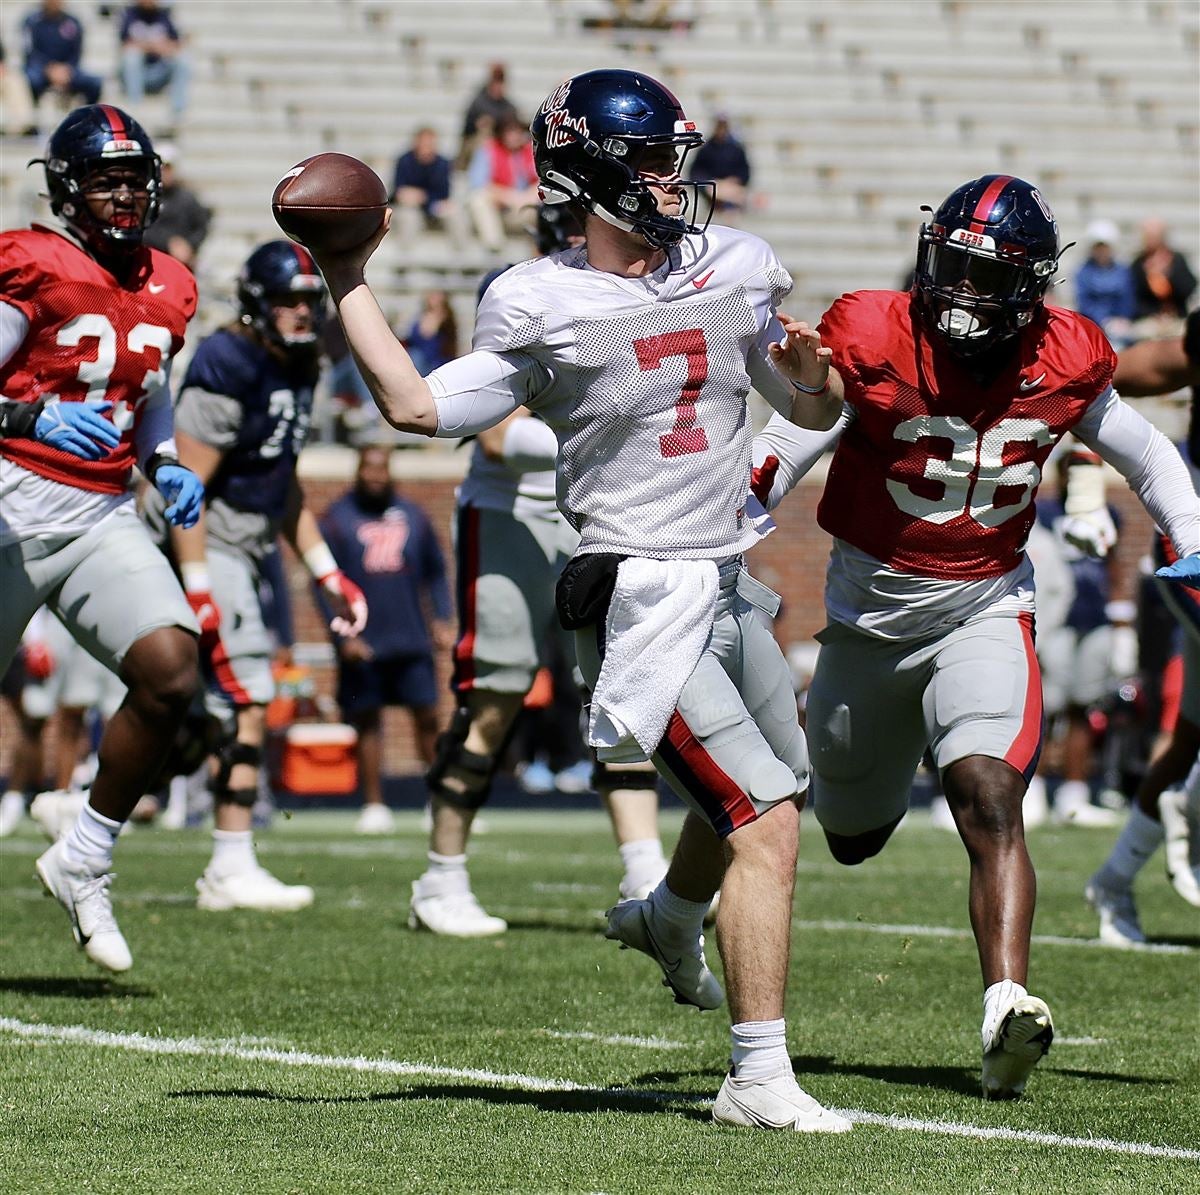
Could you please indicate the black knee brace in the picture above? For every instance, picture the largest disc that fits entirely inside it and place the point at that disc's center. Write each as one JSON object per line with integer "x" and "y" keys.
{"x": 609, "y": 777}
{"x": 475, "y": 770}
{"x": 228, "y": 757}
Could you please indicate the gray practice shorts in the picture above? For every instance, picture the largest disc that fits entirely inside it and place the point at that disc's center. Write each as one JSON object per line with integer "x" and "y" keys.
{"x": 1076, "y": 667}
{"x": 110, "y": 587}
{"x": 79, "y": 681}
{"x": 734, "y": 747}
{"x": 507, "y": 569}
{"x": 238, "y": 672}
{"x": 875, "y": 705}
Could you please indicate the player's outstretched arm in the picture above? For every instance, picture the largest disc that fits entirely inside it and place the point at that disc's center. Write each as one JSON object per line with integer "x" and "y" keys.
{"x": 345, "y": 599}
{"x": 400, "y": 392}
{"x": 806, "y": 363}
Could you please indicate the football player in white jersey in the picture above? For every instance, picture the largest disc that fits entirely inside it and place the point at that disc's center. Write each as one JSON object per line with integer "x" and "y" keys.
{"x": 639, "y": 350}
{"x": 511, "y": 544}
{"x": 954, "y": 395}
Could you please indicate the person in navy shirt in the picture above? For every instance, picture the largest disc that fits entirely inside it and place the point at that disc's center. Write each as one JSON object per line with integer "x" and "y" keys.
{"x": 53, "y": 41}
{"x": 387, "y": 546}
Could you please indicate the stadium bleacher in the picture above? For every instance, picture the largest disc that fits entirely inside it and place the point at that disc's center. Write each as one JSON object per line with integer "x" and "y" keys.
{"x": 855, "y": 113}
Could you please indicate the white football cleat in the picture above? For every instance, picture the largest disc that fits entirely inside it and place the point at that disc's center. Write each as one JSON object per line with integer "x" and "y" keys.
{"x": 940, "y": 817}
{"x": 253, "y": 889}
{"x": 12, "y": 810}
{"x": 1119, "y": 923}
{"x": 57, "y": 811}
{"x": 684, "y": 970}
{"x": 778, "y": 1103}
{"x": 1035, "y": 808}
{"x": 82, "y": 889}
{"x": 1181, "y": 837}
{"x": 454, "y": 913}
{"x": 1086, "y": 814}
{"x": 375, "y": 819}
{"x": 1020, "y": 1043}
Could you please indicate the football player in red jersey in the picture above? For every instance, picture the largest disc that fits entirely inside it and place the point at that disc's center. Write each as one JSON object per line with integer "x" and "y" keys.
{"x": 953, "y": 396}
{"x": 89, "y": 321}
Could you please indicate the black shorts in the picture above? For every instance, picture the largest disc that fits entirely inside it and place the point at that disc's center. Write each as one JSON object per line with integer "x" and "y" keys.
{"x": 392, "y": 680}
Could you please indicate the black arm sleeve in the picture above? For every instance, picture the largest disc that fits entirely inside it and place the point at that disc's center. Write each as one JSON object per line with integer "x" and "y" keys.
{"x": 18, "y": 419}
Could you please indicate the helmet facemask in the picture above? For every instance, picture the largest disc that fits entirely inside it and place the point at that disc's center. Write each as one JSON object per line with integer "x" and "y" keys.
{"x": 978, "y": 294}
{"x": 130, "y": 182}
{"x": 625, "y": 174}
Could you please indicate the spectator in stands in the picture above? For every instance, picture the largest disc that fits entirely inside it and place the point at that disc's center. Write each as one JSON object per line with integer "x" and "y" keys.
{"x": 502, "y": 181}
{"x": 1103, "y": 286}
{"x": 387, "y": 545}
{"x": 53, "y": 48}
{"x": 723, "y": 158}
{"x": 15, "y": 111}
{"x": 487, "y": 111}
{"x": 432, "y": 339}
{"x": 183, "y": 220}
{"x": 640, "y": 14}
{"x": 421, "y": 190}
{"x": 1162, "y": 279}
{"x": 153, "y": 55}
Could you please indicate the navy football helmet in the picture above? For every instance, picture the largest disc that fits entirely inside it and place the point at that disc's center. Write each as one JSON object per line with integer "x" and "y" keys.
{"x": 600, "y": 140}
{"x": 90, "y": 142}
{"x": 276, "y": 273}
{"x": 985, "y": 260}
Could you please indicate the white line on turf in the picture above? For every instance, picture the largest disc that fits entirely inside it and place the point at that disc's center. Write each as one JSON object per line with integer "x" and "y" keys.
{"x": 1059, "y": 1040}
{"x": 614, "y": 1039}
{"x": 946, "y": 931}
{"x": 218, "y": 1048}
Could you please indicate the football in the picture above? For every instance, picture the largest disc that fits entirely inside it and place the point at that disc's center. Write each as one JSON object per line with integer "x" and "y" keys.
{"x": 330, "y": 202}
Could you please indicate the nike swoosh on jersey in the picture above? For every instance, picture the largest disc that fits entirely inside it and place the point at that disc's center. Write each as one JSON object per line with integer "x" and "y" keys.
{"x": 156, "y": 288}
{"x": 1026, "y": 386}
{"x": 700, "y": 282}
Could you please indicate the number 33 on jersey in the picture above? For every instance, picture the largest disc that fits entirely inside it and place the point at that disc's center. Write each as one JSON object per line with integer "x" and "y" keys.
{"x": 937, "y": 473}
{"x": 90, "y": 338}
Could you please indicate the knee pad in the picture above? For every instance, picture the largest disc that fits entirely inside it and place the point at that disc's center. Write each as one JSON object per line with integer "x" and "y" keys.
{"x": 228, "y": 757}
{"x": 474, "y": 770}
{"x": 609, "y": 778}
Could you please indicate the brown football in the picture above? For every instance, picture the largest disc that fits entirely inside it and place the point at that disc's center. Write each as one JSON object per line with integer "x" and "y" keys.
{"x": 330, "y": 202}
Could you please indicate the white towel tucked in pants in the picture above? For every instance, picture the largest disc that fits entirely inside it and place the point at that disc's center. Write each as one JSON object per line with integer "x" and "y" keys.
{"x": 658, "y": 623}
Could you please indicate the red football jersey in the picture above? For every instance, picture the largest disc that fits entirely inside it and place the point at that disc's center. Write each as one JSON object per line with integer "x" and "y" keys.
{"x": 937, "y": 474}
{"x": 90, "y": 337}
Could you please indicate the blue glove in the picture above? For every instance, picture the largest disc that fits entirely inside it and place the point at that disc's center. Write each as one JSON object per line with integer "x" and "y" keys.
{"x": 1185, "y": 571}
{"x": 78, "y": 428}
{"x": 184, "y": 491}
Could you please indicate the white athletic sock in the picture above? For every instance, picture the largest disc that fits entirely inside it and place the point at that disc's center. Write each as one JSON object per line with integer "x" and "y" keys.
{"x": 644, "y": 862}
{"x": 1071, "y": 794}
{"x": 92, "y": 837}
{"x": 997, "y": 1001}
{"x": 759, "y": 1049}
{"x": 233, "y": 852}
{"x": 1131, "y": 852}
{"x": 679, "y": 919}
{"x": 445, "y": 874}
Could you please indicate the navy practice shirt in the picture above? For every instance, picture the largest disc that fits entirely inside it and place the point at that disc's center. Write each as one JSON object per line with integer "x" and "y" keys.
{"x": 393, "y": 557}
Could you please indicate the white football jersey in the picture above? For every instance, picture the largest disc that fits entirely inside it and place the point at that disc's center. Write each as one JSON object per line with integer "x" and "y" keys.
{"x": 644, "y": 382}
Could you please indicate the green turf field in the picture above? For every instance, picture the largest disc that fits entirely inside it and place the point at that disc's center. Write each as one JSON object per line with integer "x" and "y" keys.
{"x": 334, "y": 1050}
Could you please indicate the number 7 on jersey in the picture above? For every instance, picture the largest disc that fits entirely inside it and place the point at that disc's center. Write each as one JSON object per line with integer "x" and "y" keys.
{"x": 686, "y": 436}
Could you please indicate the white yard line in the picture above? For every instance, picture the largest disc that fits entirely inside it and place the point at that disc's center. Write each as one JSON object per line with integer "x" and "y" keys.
{"x": 238, "y": 1049}
{"x": 613, "y": 1039}
{"x": 948, "y": 931}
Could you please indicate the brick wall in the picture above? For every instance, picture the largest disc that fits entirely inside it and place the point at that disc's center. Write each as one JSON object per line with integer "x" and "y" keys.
{"x": 792, "y": 562}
